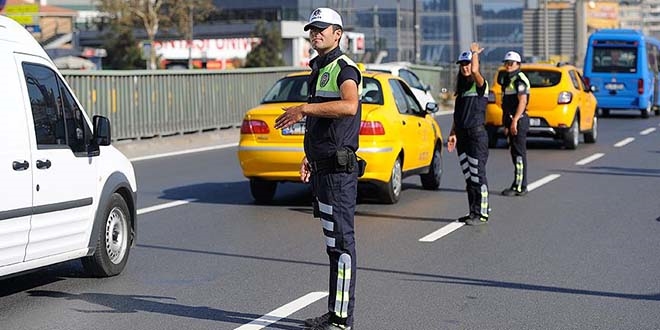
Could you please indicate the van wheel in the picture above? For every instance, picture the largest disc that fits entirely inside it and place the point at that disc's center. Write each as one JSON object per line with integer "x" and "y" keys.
{"x": 431, "y": 180}
{"x": 114, "y": 240}
{"x": 391, "y": 191}
{"x": 646, "y": 112}
{"x": 572, "y": 136}
{"x": 603, "y": 112}
{"x": 592, "y": 135}
{"x": 262, "y": 191}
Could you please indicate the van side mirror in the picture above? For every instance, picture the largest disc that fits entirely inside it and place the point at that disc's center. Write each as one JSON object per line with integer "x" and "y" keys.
{"x": 101, "y": 131}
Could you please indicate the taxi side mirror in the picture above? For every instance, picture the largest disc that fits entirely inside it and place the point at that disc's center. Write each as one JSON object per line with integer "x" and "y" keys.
{"x": 431, "y": 107}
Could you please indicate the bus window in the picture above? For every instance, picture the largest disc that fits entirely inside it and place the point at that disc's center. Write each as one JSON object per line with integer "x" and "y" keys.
{"x": 611, "y": 59}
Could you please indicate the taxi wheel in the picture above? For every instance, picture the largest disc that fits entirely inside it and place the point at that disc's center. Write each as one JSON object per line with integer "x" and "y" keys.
{"x": 572, "y": 136}
{"x": 262, "y": 191}
{"x": 391, "y": 191}
{"x": 431, "y": 180}
{"x": 592, "y": 135}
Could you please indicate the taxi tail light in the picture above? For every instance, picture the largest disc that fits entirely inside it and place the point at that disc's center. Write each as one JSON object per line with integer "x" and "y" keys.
{"x": 254, "y": 127}
{"x": 640, "y": 86}
{"x": 587, "y": 81}
{"x": 371, "y": 128}
{"x": 491, "y": 96}
{"x": 565, "y": 98}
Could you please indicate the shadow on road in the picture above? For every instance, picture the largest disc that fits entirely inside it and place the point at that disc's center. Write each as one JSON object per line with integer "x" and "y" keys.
{"x": 116, "y": 303}
{"x": 437, "y": 278}
{"x": 617, "y": 171}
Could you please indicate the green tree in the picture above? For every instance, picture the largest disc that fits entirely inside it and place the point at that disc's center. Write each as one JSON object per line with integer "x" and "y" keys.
{"x": 153, "y": 15}
{"x": 124, "y": 52}
{"x": 269, "y": 51}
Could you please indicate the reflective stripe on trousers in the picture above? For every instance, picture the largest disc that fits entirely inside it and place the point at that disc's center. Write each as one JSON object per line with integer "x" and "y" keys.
{"x": 334, "y": 205}
{"x": 472, "y": 148}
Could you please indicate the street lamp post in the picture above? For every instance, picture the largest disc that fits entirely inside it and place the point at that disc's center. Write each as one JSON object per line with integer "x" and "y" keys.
{"x": 190, "y": 43}
{"x": 546, "y": 42}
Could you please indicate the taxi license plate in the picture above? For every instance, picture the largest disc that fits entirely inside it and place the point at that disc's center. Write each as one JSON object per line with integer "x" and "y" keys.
{"x": 534, "y": 122}
{"x": 613, "y": 86}
{"x": 295, "y": 129}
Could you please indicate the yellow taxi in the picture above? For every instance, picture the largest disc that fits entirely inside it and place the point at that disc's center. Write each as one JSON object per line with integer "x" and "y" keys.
{"x": 561, "y": 105}
{"x": 398, "y": 138}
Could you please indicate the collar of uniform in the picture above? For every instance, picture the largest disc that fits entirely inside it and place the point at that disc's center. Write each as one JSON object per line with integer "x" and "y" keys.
{"x": 321, "y": 61}
{"x": 514, "y": 73}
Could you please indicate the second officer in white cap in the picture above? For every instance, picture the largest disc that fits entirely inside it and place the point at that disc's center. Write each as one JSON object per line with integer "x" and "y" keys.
{"x": 515, "y": 97}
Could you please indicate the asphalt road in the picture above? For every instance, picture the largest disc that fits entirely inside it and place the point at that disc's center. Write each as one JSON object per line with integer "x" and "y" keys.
{"x": 580, "y": 251}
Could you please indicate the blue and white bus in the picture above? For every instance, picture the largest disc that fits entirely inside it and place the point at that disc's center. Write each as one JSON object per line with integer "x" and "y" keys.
{"x": 622, "y": 66}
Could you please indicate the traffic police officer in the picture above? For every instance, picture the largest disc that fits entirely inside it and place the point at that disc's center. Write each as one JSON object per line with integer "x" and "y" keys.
{"x": 333, "y": 114}
{"x": 468, "y": 134}
{"x": 515, "y": 97}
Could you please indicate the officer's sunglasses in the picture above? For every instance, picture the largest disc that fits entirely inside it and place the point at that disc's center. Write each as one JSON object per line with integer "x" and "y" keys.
{"x": 509, "y": 63}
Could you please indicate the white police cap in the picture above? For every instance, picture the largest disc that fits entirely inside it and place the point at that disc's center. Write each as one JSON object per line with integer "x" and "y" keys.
{"x": 322, "y": 18}
{"x": 512, "y": 56}
{"x": 464, "y": 57}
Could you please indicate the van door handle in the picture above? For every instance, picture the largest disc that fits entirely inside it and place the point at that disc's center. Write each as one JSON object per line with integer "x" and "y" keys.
{"x": 43, "y": 164}
{"x": 18, "y": 166}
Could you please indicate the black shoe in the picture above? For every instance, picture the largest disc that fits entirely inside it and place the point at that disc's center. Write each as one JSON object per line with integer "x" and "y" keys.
{"x": 464, "y": 218}
{"x": 476, "y": 221}
{"x": 329, "y": 326}
{"x": 514, "y": 192}
{"x": 509, "y": 192}
{"x": 319, "y": 320}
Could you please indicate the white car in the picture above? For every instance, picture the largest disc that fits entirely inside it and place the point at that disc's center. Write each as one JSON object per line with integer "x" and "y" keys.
{"x": 66, "y": 192}
{"x": 400, "y": 69}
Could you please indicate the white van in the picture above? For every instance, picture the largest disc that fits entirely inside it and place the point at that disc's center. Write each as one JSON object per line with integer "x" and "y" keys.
{"x": 66, "y": 192}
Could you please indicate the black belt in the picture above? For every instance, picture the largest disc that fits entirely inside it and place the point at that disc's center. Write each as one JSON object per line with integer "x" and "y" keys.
{"x": 323, "y": 165}
{"x": 473, "y": 130}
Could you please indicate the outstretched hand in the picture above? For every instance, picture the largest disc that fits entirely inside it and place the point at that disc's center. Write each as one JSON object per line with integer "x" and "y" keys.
{"x": 290, "y": 116}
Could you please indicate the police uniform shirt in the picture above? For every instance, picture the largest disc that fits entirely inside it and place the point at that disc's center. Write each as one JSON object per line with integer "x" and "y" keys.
{"x": 324, "y": 136}
{"x": 510, "y": 96}
{"x": 470, "y": 106}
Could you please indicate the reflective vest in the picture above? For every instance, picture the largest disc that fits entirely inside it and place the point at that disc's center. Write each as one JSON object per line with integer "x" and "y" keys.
{"x": 326, "y": 84}
{"x": 473, "y": 90}
{"x": 510, "y": 93}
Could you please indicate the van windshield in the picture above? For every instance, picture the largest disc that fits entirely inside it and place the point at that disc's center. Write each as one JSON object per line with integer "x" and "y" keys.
{"x": 614, "y": 59}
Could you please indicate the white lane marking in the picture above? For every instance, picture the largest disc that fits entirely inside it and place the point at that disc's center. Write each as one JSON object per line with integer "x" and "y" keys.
{"x": 647, "y": 131}
{"x": 624, "y": 142}
{"x": 442, "y": 232}
{"x": 283, "y": 311}
{"x": 589, "y": 159}
{"x": 183, "y": 152}
{"x": 164, "y": 206}
{"x": 542, "y": 181}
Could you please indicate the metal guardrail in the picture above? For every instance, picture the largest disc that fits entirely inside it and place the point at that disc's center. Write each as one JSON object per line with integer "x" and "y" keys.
{"x": 147, "y": 103}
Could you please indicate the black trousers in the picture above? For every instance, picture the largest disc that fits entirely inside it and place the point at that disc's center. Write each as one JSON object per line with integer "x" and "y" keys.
{"x": 334, "y": 204}
{"x": 472, "y": 148}
{"x": 518, "y": 148}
